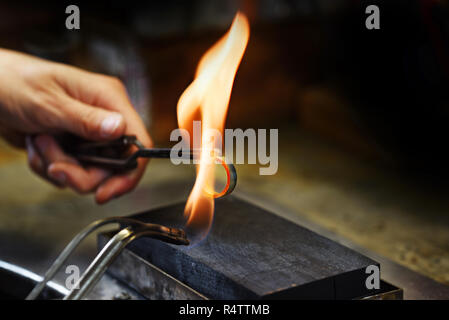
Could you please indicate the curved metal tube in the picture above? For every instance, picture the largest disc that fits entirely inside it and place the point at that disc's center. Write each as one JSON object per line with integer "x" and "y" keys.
{"x": 64, "y": 255}
{"x": 172, "y": 235}
{"x": 98, "y": 267}
{"x": 107, "y": 255}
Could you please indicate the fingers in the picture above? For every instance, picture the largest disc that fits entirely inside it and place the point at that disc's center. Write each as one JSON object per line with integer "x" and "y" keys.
{"x": 118, "y": 185}
{"x": 48, "y": 160}
{"x": 117, "y": 99}
{"x": 80, "y": 179}
{"x": 121, "y": 184}
{"x": 34, "y": 160}
{"x": 105, "y": 93}
{"x": 49, "y": 150}
{"x": 90, "y": 122}
{"x": 94, "y": 98}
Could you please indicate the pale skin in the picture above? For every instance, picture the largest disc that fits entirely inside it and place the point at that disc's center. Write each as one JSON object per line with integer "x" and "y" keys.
{"x": 39, "y": 99}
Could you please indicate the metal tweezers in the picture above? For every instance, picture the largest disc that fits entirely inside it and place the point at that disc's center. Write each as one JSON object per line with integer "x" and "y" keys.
{"x": 132, "y": 229}
{"x": 118, "y": 155}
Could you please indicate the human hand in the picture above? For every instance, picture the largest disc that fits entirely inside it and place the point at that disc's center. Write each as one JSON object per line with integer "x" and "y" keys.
{"x": 39, "y": 98}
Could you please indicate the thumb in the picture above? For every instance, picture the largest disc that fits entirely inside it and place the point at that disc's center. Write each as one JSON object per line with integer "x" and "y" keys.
{"x": 92, "y": 123}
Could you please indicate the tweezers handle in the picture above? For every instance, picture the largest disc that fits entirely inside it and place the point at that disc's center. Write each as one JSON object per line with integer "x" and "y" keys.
{"x": 114, "y": 155}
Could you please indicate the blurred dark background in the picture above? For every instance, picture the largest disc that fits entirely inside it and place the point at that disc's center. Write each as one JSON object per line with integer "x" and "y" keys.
{"x": 310, "y": 65}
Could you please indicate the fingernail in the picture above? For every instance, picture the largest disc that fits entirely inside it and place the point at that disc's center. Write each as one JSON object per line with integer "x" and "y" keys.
{"x": 110, "y": 124}
{"x": 60, "y": 177}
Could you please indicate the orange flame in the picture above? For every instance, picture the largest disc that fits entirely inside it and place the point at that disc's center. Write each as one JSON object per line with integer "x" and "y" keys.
{"x": 207, "y": 99}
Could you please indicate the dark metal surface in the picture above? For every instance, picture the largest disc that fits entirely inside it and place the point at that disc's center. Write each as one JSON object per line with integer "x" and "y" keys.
{"x": 251, "y": 253}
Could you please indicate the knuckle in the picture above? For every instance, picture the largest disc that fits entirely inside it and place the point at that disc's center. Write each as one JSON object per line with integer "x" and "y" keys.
{"x": 88, "y": 123}
{"x": 52, "y": 104}
{"x": 48, "y": 98}
{"x": 117, "y": 83}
